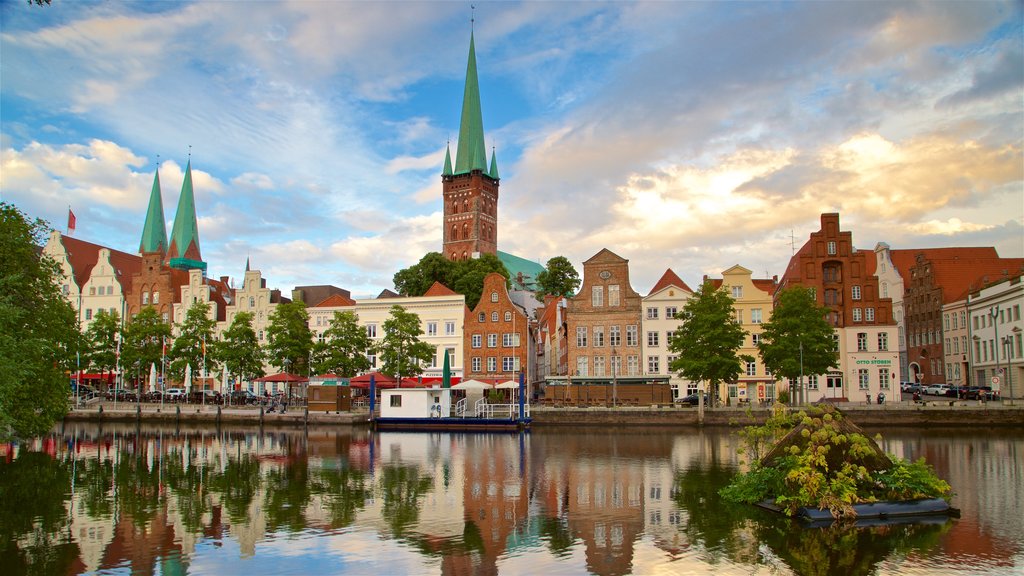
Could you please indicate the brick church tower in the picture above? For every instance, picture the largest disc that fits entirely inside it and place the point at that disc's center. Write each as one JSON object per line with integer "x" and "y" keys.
{"x": 470, "y": 191}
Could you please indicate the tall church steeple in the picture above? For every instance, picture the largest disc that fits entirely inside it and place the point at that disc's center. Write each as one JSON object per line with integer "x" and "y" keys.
{"x": 154, "y": 231}
{"x": 470, "y": 191}
{"x": 184, "y": 248}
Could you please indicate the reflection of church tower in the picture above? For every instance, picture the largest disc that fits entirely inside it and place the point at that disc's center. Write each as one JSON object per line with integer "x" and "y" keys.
{"x": 183, "y": 252}
{"x": 470, "y": 191}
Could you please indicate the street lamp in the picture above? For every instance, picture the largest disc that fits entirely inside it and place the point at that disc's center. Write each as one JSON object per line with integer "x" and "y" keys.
{"x": 615, "y": 381}
{"x": 1008, "y": 343}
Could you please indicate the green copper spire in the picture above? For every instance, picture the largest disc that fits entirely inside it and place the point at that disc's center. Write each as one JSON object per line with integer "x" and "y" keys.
{"x": 154, "y": 231}
{"x": 471, "y": 153}
{"x": 493, "y": 172}
{"x": 447, "y": 161}
{"x": 184, "y": 248}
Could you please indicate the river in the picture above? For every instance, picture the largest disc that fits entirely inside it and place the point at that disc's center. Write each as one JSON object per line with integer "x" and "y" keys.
{"x": 121, "y": 499}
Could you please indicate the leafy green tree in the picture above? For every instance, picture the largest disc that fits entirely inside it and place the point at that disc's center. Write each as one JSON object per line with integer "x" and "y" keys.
{"x": 343, "y": 350}
{"x": 289, "y": 338}
{"x": 465, "y": 277}
{"x": 102, "y": 340}
{"x": 798, "y": 339}
{"x": 195, "y": 334}
{"x": 240, "y": 350}
{"x": 558, "y": 278}
{"x": 142, "y": 342}
{"x": 706, "y": 344}
{"x": 401, "y": 351}
{"x": 37, "y": 324}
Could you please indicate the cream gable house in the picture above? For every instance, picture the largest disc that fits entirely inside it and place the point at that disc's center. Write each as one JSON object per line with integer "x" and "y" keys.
{"x": 658, "y": 323}
{"x": 195, "y": 292}
{"x": 254, "y": 297}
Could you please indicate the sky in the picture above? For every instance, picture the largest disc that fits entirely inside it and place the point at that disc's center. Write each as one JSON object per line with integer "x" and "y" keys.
{"x": 686, "y": 135}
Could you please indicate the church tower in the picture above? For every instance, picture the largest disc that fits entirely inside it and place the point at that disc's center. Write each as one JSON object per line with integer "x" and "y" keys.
{"x": 154, "y": 231}
{"x": 183, "y": 252}
{"x": 470, "y": 191}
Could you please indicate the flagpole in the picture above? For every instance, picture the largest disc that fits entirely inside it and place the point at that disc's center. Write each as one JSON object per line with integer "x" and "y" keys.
{"x": 163, "y": 352}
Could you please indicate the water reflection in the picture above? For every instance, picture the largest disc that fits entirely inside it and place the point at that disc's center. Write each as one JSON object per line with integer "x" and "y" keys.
{"x": 606, "y": 501}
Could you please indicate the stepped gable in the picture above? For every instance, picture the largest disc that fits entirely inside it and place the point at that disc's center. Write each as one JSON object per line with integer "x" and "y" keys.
{"x": 877, "y": 460}
{"x": 669, "y": 278}
{"x": 84, "y": 256}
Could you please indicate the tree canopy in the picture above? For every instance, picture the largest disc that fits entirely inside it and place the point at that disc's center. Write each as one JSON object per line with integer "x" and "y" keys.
{"x": 401, "y": 351}
{"x": 240, "y": 350}
{"x": 706, "y": 344}
{"x": 798, "y": 339}
{"x": 38, "y": 330}
{"x": 558, "y": 278}
{"x": 465, "y": 277}
{"x": 290, "y": 340}
{"x": 343, "y": 351}
{"x": 195, "y": 334}
{"x": 101, "y": 338}
{"x": 142, "y": 342}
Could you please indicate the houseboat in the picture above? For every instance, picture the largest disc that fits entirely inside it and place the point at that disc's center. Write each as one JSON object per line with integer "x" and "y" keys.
{"x": 433, "y": 409}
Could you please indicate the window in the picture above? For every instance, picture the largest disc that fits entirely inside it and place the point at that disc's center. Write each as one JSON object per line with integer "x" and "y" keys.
{"x": 581, "y": 336}
{"x": 755, "y": 316}
{"x": 832, "y": 248}
{"x": 371, "y": 330}
{"x": 856, "y": 314}
{"x": 855, "y": 292}
{"x": 652, "y": 339}
{"x": 737, "y": 292}
{"x": 632, "y": 365}
{"x": 862, "y": 378}
{"x": 581, "y": 366}
{"x": 156, "y": 297}
{"x": 652, "y": 364}
{"x": 145, "y": 301}
{"x": 373, "y": 360}
{"x": 508, "y": 316}
{"x": 492, "y": 340}
{"x": 652, "y": 313}
{"x": 751, "y": 368}
{"x": 482, "y": 317}
{"x": 631, "y": 335}
{"x": 831, "y": 297}
{"x": 869, "y": 314}
{"x": 614, "y": 336}
{"x": 616, "y": 364}
{"x": 508, "y": 364}
{"x": 668, "y": 337}
{"x": 739, "y": 316}
{"x": 431, "y": 328}
{"x": 862, "y": 341}
{"x": 885, "y": 289}
{"x": 510, "y": 340}
{"x": 812, "y": 382}
{"x": 494, "y": 316}
{"x": 597, "y": 296}
{"x": 477, "y": 363}
{"x": 670, "y": 312}
{"x": 88, "y": 313}
{"x": 883, "y": 342}
{"x": 755, "y": 338}
{"x": 945, "y": 322}
{"x": 492, "y": 364}
{"x": 494, "y": 296}
{"x": 478, "y": 341}
{"x": 449, "y": 328}
{"x": 261, "y": 335}
{"x": 396, "y": 401}
{"x": 598, "y": 365}
{"x": 613, "y": 295}
{"x": 92, "y": 291}
{"x": 598, "y": 336}
{"x": 883, "y": 378}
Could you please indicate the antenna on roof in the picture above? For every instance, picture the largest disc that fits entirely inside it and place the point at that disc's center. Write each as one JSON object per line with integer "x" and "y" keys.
{"x": 792, "y": 242}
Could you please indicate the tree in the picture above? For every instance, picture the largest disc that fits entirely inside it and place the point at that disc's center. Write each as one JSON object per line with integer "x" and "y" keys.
{"x": 558, "y": 278}
{"x": 38, "y": 330}
{"x": 143, "y": 340}
{"x": 400, "y": 350}
{"x": 190, "y": 345}
{"x": 289, "y": 338}
{"x": 465, "y": 277}
{"x": 798, "y": 339}
{"x": 343, "y": 350}
{"x": 707, "y": 342}
{"x": 239, "y": 349}
{"x": 101, "y": 337}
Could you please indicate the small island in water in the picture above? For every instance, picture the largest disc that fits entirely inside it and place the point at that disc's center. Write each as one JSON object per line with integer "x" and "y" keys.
{"x": 818, "y": 465}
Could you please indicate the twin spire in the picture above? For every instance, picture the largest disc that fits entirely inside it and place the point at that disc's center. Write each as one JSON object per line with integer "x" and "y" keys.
{"x": 471, "y": 153}
{"x": 183, "y": 251}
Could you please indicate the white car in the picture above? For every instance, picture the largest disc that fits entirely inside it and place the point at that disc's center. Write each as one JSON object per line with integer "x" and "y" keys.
{"x": 936, "y": 389}
{"x": 174, "y": 394}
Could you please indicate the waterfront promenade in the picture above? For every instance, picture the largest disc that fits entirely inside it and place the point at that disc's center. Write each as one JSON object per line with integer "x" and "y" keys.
{"x": 932, "y": 413}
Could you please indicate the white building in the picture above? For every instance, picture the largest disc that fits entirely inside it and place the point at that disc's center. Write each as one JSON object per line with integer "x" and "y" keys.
{"x": 997, "y": 336}
{"x": 658, "y": 323}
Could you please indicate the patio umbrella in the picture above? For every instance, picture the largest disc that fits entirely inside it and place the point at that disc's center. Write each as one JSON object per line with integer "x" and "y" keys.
{"x": 224, "y": 379}
{"x": 152, "y": 378}
{"x": 188, "y": 378}
{"x": 446, "y": 373}
{"x": 472, "y": 385}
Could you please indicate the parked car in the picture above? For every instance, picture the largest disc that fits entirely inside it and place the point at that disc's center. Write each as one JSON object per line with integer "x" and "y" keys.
{"x": 936, "y": 389}
{"x": 174, "y": 395}
{"x": 908, "y": 386}
{"x": 242, "y": 397}
{"x": 980, "y": 393}
{"x": 204, "y": 397}
{"x": 84, "y": 391}
{"x": 956, "y": 392}
{"x": 691, "y": 399}
{"x": 122, "y": 395}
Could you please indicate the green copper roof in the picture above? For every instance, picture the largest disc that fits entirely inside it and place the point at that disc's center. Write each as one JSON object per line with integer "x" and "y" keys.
{"x": 154, "y": 231}
{"x": 516, "y": 266}
{"x": 185, "y": 232}
{"x": 493, "y": 172}
{"x": 471, "y": 153}
{"x": 447, "y": 161}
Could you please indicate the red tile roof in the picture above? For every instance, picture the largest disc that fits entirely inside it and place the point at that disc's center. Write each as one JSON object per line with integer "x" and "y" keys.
{"x": 438, "y": 289}
{"x": 84, "y": 255}
{"x": 669, "y": 278}
{"x": 904, "y": 260}
{"x": 960, "y": 276}
{"x": 335, "y": 300}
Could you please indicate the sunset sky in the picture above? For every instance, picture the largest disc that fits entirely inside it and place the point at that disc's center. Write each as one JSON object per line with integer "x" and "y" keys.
{"x": 684, "y": 135}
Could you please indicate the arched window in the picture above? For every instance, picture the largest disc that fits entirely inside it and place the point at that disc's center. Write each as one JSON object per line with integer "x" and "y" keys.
{"x": 465, "y": 205}
{"x": 508, "y": 316}
{"x": 455, "y": 232}
{"x": 465, "y": 230}
{"x": 455, "y": 207}
{"x": 494, "y": 316}
{"x": 465, "y": 255}
{"x": 494, "y": 296}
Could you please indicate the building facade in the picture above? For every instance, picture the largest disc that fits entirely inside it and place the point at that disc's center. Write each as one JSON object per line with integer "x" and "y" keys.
{"x": 497, "y": 336}
{"x": 997, "y": 336}
{"x": 956, "y": 336}
{"x": 658, "y": 324}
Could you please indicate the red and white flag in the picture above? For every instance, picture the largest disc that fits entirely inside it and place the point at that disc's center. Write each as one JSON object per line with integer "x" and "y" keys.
{"x": 71, "y": 221}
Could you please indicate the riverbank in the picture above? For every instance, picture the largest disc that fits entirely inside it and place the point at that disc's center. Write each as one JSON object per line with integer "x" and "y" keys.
{"x": 955, "y": 413}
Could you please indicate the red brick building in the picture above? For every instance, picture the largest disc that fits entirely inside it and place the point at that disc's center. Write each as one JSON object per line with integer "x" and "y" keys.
{"x": 497, "y": 332}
